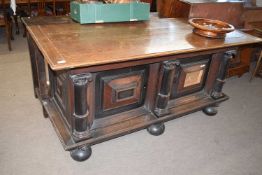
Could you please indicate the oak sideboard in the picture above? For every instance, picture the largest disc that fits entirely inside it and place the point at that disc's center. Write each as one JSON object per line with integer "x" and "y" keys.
{"x": 100, "y": 81}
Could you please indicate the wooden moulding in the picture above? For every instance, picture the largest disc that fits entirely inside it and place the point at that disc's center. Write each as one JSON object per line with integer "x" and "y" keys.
{"x": 119, "y": 90}
{"x": 137, "y": 122}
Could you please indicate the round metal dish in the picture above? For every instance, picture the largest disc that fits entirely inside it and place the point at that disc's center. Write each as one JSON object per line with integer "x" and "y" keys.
{"x": 210, "y": 28}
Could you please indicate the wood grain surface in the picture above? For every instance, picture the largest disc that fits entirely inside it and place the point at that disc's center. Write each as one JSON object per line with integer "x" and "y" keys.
{"x": 66, "y": 44}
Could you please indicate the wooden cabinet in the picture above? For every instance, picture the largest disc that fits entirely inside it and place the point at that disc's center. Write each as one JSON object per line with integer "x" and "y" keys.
{"x": 115, "y": 79}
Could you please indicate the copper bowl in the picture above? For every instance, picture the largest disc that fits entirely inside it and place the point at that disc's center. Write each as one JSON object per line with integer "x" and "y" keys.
{"x": 210, "y": 28}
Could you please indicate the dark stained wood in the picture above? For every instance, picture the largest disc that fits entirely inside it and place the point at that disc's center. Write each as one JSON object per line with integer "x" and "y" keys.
{"x": 167, "y": 77}
{"x": 32, "y": 48}
{"x": 41, "y": 73}
{"x": 81, "y": 125}
{"x": 116, "y": 85}
{"x": 212, "y": 73}
{"x": 60, "y": 127}
{"x": 220, "y": 80}
{"x": 153, "y": 80}
{"x": 121, "y": 91}
{"x": 137, "y": 122}
{"x": 131, "y": 83}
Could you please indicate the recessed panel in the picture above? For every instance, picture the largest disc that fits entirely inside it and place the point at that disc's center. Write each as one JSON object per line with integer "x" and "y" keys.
{"x": 193, "y": 78}
{"x": 190, "y": 77}
{"x": 125, "y": 94}
{"x": 60, "y": 90}
{"x": 120, "y": 90}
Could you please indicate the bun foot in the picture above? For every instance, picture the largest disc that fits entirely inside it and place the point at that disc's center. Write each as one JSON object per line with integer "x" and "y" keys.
{"x": 210, "y": 111}
{"x": 156, "y": 129}
{"x": 81, "y": 154}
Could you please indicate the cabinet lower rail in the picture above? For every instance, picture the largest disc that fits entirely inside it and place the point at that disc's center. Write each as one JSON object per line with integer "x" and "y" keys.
{"x": 143, "y": 120}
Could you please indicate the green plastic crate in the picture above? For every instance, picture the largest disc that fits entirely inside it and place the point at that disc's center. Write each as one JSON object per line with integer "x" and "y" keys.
{"x": 100, "y": 13}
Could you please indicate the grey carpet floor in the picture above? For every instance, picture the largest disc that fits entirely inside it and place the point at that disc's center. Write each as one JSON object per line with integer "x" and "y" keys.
{"x": 229, "y": 143}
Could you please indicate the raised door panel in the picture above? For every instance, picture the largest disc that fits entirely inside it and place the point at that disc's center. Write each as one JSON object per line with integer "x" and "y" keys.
{"x": 191, "y": 78}
{"x": 120, "y": 90}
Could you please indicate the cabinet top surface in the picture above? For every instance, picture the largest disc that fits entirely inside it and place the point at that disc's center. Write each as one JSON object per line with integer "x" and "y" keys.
{"x": 66, "y": 44}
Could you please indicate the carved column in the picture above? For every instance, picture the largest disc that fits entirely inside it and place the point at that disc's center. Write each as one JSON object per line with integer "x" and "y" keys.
{"x": 217, "y": 89}
{"x": 80, "y": 125}
{"x": 169, "y": 69}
